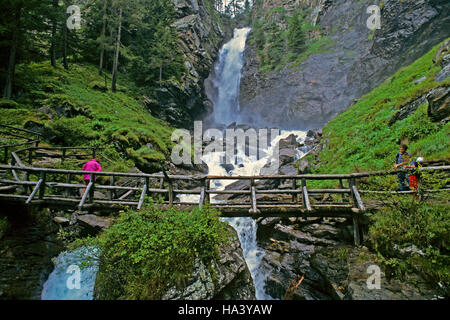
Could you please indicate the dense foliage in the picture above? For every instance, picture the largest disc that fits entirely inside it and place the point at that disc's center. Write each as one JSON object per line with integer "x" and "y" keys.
{"x": 405, "y": 222}
{"x": 148, "y": 251}
{"x": 76, "y": 111}
{"x": 133, "y": 37}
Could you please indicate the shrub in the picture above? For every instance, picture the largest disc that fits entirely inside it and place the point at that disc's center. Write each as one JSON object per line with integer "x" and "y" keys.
{"x": 406, "y": 221}
{"x": 145, "y": 252}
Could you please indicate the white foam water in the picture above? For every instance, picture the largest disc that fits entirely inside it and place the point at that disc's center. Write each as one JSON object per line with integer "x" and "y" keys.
{"x": 245, "y": 227}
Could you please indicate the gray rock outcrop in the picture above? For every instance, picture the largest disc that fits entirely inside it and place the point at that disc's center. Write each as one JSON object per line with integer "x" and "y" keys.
{"x": 354, "y": 62}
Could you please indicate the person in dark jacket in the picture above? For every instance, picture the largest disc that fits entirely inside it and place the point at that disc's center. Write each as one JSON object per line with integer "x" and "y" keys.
{"x": 402, "y": 160}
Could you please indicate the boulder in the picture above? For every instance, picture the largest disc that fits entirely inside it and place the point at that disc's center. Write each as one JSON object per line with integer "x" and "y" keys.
{"x": 94, "y": 222}
{"x": 445, "y": 72}
{"x": 304, "y": 167}
{"x": 408, "y": 109}
{"x": 439, "y": 103}
{"x": 227, "y": 277}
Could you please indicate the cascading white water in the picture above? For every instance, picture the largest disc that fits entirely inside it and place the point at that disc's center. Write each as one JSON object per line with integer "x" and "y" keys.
{"x": 245, "y": 227}
{"x": 226, "y": 110}
{"x": 228, "y": 78}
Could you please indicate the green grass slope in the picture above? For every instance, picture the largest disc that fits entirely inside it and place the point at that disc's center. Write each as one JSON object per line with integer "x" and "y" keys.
{"x": 77, "y": 110}
{"x": 361, "y": 139}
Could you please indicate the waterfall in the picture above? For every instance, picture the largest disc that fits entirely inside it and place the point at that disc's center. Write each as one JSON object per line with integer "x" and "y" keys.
{"x": 80, "y": 264}
{"x": 226, "y": 110}
{"x": 228, "y": 78}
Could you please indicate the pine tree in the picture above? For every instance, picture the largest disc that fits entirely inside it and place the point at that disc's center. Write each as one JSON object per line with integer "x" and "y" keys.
{"x": 296, "y": 36}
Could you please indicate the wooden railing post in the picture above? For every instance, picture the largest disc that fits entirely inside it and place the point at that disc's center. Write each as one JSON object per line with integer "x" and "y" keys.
{"x": 30, "y": 156}
{"x": 143, "y": 193}
{"x": 112, "y": 192}
{"x": 202, "y": 193}
{"x": 69, "y": 181}
{"x": 42, "y": 186}
{"x": 94, "y": 152}
{"x": 91, "y": 190}
{"x": 355, "y": 216}
{"x": 5, "y": 160}
{"x": 171, "y": 193}
{"x": 63, "y": 155}
{"x": 344, "y": 197}
{"x": 305, "y": 195}
{"x": 254, "y": 209}
{"x": 208, "y": 189}
{"x": 26, "y": 178}
{"x": 294, "y": 187}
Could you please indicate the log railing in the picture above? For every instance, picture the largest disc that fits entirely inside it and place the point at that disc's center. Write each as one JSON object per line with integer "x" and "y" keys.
{"x": 106, "y": 190}
{"x": 55, "y": 193}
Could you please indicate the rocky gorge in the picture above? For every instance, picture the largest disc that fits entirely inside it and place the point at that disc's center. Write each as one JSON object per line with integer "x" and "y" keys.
{"x": 352, "y": 62}
{"x": 201, "y": 34}
{"x": 301, "y": 258}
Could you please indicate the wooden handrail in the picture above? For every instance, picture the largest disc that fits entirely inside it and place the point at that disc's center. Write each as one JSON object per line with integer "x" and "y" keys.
{"x": 200, "y": 177}
{"x": 20, "y": 129}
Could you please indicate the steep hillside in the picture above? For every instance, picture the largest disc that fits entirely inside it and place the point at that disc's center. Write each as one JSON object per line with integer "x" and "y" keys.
{"x": 74, "y": 108}
{"x": 341, "y": 58}
{"x": 411, "y": 107}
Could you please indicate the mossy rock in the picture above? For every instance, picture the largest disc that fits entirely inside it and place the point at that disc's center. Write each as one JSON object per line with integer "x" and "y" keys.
{"x": 8, "y": 104}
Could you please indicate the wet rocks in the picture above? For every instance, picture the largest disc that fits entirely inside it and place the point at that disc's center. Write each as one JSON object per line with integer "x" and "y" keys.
{"x": 333, "y": 269}
{"x": 26, "y": 252}
{"x": 94, "y": 222}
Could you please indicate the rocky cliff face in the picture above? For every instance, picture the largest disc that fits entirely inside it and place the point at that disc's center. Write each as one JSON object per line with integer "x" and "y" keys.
{"x": 320, "y": 250}
{"x": 200, "y": 37}
{"x": 228, "y": 277}
{"x": 356, "y": 59}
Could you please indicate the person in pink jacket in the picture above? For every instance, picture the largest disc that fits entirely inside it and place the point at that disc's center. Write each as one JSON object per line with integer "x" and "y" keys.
{"x": 91, "y": 165}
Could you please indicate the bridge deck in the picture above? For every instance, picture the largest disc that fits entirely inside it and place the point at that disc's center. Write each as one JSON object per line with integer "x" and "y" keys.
{"x": 33, "y": 186}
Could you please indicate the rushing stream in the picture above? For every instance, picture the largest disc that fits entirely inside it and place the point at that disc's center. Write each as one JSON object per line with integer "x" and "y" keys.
{"x": 226, "y": 110}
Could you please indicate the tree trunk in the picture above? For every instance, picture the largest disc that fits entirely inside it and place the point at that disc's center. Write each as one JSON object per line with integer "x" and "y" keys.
{"x": 54, "y": 27}
{"x": 160, "y": 75}
{"x": 66, "y": 65}
{"x": 116, "y": 54}
{"x": 102, "y": 48}
{"x": 7, "y": 92}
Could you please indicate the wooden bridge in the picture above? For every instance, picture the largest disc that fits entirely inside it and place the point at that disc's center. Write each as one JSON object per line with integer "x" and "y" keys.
{"x": 112, "y": 191}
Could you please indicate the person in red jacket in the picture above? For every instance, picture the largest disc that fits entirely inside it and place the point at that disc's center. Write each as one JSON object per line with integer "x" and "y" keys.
{"x": 92, "y": 165}
{"x": 413, "y": 177}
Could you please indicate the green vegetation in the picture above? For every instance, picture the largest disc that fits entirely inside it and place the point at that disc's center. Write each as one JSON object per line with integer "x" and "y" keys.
{"x": 365, "y": 137}
{"x": 405, "y": 222}
{"x": 148, "y": 251}
{"x": 280, "y": 39}
{"x": 76, "y": 113}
